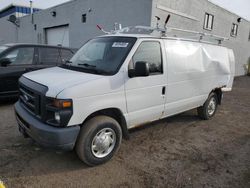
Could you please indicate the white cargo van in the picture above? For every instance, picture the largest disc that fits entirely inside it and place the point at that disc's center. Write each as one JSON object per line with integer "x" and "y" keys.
{"x": 117, "y": 82}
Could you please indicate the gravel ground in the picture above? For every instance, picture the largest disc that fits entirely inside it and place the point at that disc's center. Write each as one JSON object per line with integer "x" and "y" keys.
{"x": 181, "y": 151}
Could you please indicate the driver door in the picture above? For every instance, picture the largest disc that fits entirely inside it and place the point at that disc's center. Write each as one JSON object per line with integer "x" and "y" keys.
{"x": 20, "y": 62}
{"x": 145, "y": 96}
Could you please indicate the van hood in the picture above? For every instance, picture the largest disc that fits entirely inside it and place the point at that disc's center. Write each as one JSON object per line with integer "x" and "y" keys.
{"x": 57, "y": 79}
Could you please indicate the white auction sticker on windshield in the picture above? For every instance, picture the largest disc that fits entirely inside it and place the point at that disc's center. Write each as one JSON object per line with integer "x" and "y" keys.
{"x": 120, "y": 45}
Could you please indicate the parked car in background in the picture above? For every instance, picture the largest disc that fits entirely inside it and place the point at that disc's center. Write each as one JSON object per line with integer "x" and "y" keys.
{"x": 17, "y": 59}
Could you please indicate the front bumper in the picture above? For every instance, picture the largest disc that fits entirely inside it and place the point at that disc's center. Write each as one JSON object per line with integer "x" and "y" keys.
{"x": 43, "y": 134}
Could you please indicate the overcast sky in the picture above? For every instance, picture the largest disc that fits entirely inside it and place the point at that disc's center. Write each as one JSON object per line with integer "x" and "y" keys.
{"x": 37, "y": 3}
{"x": 240, "y": 7}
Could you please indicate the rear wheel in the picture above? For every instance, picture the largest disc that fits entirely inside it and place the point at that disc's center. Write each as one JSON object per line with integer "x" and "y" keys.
{"x": 209, "y": 108}
{"x": 99, "y": 139}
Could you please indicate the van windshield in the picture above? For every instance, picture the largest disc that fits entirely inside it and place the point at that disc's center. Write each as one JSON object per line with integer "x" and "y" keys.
{"x": 102, "y": 55}
{"x": 2, "y": 48}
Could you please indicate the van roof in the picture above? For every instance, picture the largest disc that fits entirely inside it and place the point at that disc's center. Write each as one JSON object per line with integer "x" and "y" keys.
{"x": 130, "y": 35}
{"x": 160, "y": 37}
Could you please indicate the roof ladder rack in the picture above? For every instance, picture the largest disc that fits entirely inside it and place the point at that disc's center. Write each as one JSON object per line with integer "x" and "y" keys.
{"x": 162, "y": 32}
{"x": 201, "y": 34}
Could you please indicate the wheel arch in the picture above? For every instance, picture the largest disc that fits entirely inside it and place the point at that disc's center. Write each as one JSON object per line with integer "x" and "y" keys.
{"x": 218, "y": 93}
{"x": 114, "y": 113}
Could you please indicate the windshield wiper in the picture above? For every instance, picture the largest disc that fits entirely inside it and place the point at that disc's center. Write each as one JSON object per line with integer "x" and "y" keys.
{"x": 68, "y": 62}
{"x": 93, "y": 69}
{"x": 86, "y": 65}
{"x": 89, "y": 70}
{"x": 99, "y": 71}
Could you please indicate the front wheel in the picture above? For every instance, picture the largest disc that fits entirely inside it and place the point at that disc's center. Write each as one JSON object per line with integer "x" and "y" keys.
{"x": 209, "y": 108}
{"x": 99, "y": 139}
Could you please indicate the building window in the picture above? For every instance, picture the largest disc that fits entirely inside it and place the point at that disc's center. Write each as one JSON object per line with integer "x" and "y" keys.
{"x": 208, "y": 21}
{"x": 234, "y": 30}
{"x": 84, "y": 18}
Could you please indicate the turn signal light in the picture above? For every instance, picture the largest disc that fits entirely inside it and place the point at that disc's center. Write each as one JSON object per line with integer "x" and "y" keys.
{"x": 62, "y": 103}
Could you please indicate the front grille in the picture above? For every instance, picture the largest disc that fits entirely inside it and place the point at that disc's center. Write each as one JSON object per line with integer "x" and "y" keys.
{"x": 32, "y": 97}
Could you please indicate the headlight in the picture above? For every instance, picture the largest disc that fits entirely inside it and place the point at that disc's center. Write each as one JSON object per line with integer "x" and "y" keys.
{"x": 57, "y": 117}
{"x": 59, "y": 112}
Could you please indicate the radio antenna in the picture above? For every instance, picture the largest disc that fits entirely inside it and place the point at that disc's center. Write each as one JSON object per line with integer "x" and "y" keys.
{"x": 157, "y": 23}
{"x": 166, "y": 21}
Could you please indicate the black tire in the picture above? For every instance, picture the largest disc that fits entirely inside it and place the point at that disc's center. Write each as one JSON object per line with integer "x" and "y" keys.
{"x": 87, "y": 134}
{"x": 203, "y": 111}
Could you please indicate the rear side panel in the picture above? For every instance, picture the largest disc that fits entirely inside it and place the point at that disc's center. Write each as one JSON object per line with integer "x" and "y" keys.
{"x": 194, "y": 70}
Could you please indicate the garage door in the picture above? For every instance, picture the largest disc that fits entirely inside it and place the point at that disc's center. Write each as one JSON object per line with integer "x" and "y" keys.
{"x": 58, "y": 36}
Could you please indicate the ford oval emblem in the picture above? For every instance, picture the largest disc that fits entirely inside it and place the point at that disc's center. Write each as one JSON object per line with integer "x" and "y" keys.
{"x": 26, "y": 97}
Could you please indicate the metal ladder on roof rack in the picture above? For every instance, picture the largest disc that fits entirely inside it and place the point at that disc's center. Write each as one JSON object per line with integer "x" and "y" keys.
{"x": 159, "y": 32}
{"x": 201, "y": 35}
{"x": 162, "y": 32}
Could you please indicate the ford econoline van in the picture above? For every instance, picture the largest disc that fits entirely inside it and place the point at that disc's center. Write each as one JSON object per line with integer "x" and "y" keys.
{"x": 117, "y": 82}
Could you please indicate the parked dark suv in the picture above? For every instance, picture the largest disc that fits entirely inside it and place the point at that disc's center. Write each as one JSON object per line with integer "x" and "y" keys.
{"x": 17, "y": 59}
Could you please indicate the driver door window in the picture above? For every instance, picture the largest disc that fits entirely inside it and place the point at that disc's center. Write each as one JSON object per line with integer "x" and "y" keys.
{"x": 21, "y": 56}
{"x": 150, "y": 52}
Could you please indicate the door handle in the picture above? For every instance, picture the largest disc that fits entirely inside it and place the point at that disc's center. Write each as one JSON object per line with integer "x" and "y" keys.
{"x": 163, "y": 92}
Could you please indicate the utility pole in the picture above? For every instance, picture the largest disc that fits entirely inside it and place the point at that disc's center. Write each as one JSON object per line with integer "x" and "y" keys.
{"x": 31, "y": 12}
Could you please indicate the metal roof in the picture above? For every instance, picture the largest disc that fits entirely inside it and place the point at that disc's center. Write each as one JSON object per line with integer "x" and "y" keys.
{"x": 18, "y": 5}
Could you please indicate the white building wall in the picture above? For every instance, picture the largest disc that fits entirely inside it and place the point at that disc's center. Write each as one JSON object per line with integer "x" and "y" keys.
{"x": 104, "y": 13}
{"x": 8, "y": 32}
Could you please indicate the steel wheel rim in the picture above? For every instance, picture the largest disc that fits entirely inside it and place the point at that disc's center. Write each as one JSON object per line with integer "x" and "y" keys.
{"x": 103, "y": 143}
{"x": 211, "y": 106}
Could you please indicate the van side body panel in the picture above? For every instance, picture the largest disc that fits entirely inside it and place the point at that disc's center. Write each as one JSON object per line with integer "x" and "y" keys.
{"x": 194, "y": 70}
